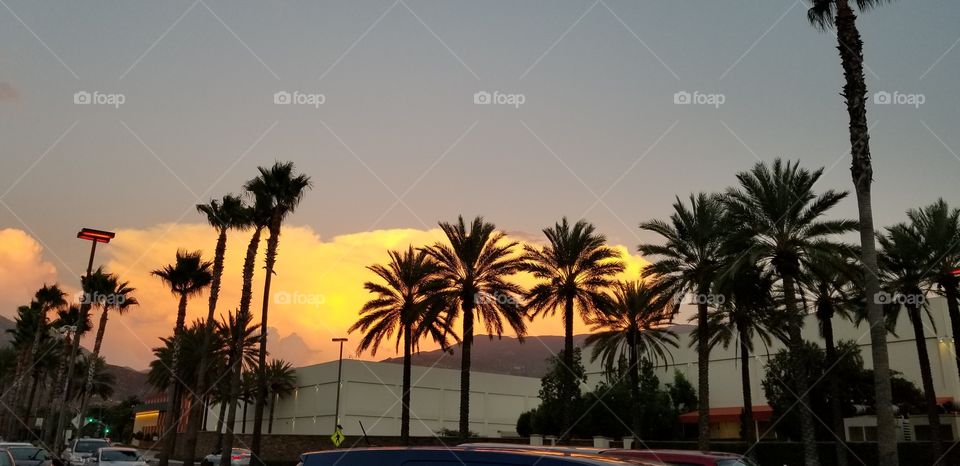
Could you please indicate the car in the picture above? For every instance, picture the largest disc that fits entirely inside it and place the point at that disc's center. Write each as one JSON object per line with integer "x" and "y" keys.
{"x": 29, "y": 455}
{"x": 6, "y": 459}
{"x": 459, "y": 456}
{"x": 15, "y": 444}
{"x": 116, "y": 456}
{"x": 238, "y": 457}
{"x": 684, "y": 457}
{"x": 83, "y": 448}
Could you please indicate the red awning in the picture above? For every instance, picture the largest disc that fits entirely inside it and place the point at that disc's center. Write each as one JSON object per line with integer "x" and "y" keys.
{"x": 760, "y": 413}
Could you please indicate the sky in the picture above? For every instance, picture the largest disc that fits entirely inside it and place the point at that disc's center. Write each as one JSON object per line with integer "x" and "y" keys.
{"x": 389, "y": 121}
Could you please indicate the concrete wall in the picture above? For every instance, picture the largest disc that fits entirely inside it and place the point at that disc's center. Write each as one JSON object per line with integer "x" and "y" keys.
{"x": 371, "y": 394}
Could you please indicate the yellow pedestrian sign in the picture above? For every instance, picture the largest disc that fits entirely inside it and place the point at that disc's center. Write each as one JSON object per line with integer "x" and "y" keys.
{"x": 337, "y": 437}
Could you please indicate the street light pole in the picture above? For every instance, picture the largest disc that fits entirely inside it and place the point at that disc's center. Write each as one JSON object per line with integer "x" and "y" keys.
{"x": 336, "y": 417}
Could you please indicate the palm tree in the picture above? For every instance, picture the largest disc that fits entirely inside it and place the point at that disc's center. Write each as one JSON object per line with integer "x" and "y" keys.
{"x": 224, "y": 215}
{"x": 47, "y": 298}
{"x": 636, "y": 325}
{"x": 240, "y": 335}
{"x": 905, "y": 262}
{"x": 824, "y": 14}
{"x": 284, "y": 189}
{"x": 741, "y": 315}
{"x": 779, "y": 216}
{"x": 939, "y": 226}
{"x": 188, "y": 276}
{"x": 474, "y": 267}
{"x": 103, "y": 381}
{"x": 687, "y": 263}
{"x": 832, "y": 283}
{"x": 575, "y": 268}
{"x": 71, "y": 316}
{"x": 281, "y": 381}
{"x": 408, "y": 304}
{"x": 109, "y": 294}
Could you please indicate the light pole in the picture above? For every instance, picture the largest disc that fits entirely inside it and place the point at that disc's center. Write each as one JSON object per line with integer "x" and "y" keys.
{"x": 94, "y": 236}
{"x": 336, "y": 416}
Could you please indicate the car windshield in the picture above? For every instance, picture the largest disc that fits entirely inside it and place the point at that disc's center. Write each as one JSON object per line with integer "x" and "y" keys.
{"x": 118, "y": 455}
{"x": 28, "y": 453}
{"x": 88, "y": 446}
{"x": 5, "y": 459}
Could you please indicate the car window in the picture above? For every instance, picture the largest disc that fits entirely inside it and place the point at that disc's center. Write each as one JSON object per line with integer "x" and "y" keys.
{"x": 118, "y": 455}
{"x": 28, "y": 453}
{"x": 5, "y": 459}
{"x": 88, "y": 446}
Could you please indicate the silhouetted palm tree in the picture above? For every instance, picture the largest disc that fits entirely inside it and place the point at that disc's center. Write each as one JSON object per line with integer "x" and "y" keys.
{"x": 284, "y": 189}
{"x": 905, "y": 262}
{"x": 687, "y": 263}
{"x": 825, "y": 14}
{"x": 408, "y": 304}
{"x": 474, "y": 268}
{"x": 240, "y": 335}
{"x": 636, "y": 325}
{"x": 78, "y": 318}
{"x": 780, "y": 218}
{"x": 224, "y": 215}
{"x": 281, "y": 381}
{"x": 187, "y": 277}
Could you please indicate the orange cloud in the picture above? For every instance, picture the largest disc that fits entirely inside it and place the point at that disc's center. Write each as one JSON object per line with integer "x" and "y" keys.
{"x": 22, "y": 269}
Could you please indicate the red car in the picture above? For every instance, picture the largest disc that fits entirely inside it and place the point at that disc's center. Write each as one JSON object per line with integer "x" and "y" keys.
{"x": 682, "y": 457}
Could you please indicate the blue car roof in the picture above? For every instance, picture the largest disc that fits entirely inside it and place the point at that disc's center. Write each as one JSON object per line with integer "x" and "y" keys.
{"x": 454, "y": 455}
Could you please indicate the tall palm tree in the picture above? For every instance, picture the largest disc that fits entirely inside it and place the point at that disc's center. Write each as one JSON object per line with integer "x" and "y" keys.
{"x": 575, "y": 269}
{"x": 78, "y": 318}
{"x": 687, "y": 263}
{"x": 832, "y": 283}
{"x": 257, "y": 217}
{"x": 825, "y": 14}
{"x": 103, "y": 382}
{"x": 742, "y": 314}
{"x": 780, "y": 217}
{"x": 284, "y": 189}
{"x": 635, "y": 325}
{"x": 474, "y": 268}
{"x": 281, "y": 381}
{"x": 905, "y": 262}
{"x": 188, "y": 276}
{"x": 110, "y": 294}
{"x": 224, "y": 215}
{"x": 939, "y": 226}
{"x": 408, "y": 304}
{"x": 47, "y": 298}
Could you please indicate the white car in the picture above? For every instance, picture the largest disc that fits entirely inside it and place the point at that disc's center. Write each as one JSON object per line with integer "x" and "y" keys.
{"x": 116, "y": 456}
{"x": 83, "y": 448}
{"x": 238, "y": 457}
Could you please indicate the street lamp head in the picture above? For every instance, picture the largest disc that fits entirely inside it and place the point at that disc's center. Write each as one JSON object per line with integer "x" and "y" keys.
{"x": 99, "y": 236}
{"x": 339, "y": 339}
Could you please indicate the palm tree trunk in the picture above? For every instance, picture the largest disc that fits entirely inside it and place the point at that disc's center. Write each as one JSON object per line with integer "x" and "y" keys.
{"x": 175, "y": 393}
{"x": 273, "y": 404}
{"x": 953, "y": 309}
{"x": 261, "y": 392}
{"x": 703, "y": 373}
{"x": 465, "y": 368}
{"x": 196, "y": 414}
{"x": 34, "y": 384}
{"x": 833, "y": 379}
{"x": 88, "y": 383}
{"x": 929, "y": 393}
{"x": 749, "y": 428}
{"x": 808, "y": 432}
{"x": 236, "y": 362}
{"x": 570, "y": 380}
{"x": 850, "y": 47}
{"x": 223, "y": 412}
{"x": 50, "y": 422}
{"x": 634, "y": 374}
{"x": 405, "y": 400}
{"x": 243, "y": 423}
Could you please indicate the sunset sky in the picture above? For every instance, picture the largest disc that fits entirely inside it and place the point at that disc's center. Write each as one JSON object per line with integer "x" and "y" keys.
{"x": 398, "y": 143}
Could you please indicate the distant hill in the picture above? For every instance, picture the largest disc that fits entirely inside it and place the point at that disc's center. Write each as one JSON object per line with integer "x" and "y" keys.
{"x": 500, "y": 356}
{"x": 129, "y": 382}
